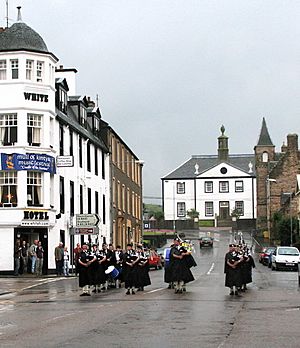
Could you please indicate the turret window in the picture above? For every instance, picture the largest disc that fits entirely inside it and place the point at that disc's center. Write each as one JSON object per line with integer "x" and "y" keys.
{"x": 34, "y": 189}
{"x": 8, "y": 189}
{"x": 29, "y": 69}
{"x": 2, "y": 69}
{"x": 39, "y": 71}
{"x": 265, "y": 157}
{"x": 14, "y": 64}
{"x": 8, "y": 129}
{"x": 34, "y": 126}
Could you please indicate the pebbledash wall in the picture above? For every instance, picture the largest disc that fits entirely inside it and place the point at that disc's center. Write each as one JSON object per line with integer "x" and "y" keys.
{"x": 37, "y": 199}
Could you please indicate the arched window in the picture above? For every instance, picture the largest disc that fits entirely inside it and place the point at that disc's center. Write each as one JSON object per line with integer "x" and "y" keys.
{"x": 265, "y": 157}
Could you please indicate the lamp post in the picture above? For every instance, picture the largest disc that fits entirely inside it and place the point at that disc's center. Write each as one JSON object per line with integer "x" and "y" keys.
{"x": 268, "y": 182}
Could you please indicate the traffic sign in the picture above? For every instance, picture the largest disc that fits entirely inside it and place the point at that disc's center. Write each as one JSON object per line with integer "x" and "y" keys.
{"x": 84, "y": 230}
{"x": 87, "y": 220}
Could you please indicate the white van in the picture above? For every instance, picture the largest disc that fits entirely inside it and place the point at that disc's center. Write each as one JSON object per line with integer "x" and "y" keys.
{"x": 285, "y": 257}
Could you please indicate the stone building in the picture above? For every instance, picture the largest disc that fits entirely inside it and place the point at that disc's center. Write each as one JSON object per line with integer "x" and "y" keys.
{"x": 276, "y": 177}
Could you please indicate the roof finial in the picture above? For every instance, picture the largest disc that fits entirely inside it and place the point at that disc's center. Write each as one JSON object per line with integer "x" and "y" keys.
{"x": 222, "y": 129}
{"x": 19, "y": 19}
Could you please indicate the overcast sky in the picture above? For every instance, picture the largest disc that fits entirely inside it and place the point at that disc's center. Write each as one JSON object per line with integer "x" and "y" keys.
{"x": 169, "y": 73}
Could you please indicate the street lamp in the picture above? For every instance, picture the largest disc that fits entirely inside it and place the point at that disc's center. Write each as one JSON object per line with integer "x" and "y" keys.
{"x": 268, "y": 182}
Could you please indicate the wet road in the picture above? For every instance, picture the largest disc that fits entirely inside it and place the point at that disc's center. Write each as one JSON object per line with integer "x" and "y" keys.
{"x": 49, "y": 312}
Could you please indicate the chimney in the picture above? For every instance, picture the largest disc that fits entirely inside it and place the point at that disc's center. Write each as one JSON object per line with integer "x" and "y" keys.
{"x": 292, "y": 142}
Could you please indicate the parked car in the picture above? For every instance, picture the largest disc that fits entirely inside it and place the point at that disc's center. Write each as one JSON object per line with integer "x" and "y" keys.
{"x": 155, "y": 260}
{"x": 161, "y": 253}
{"x": 285, "y": 257}
{"x": 206, "y": 242}
{"x": 265, "y": 256}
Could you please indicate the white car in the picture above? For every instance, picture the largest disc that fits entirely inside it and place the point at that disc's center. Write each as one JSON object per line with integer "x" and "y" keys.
{"x": 285, "y": 257}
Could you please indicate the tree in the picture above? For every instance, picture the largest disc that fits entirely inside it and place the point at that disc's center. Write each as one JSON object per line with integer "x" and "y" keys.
{"x": 193, "y": 214}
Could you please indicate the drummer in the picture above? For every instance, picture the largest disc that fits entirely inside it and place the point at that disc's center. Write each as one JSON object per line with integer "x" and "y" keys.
{"x": 99, "y": 276}
{"x": 116, "y": 261}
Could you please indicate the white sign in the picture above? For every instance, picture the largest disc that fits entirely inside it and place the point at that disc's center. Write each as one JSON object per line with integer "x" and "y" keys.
{"x": 87, "y": 220}
{"x": 35, "y": 223}
{"x": 64, "y": 161}
{"x": 84, "y": 230}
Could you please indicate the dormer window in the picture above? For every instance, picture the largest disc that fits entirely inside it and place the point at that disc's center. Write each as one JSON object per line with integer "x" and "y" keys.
{"x": 82, "y": 113}
{"x": 63, "y": 101}
{"x": 96, "y": 125}
{"x": 3, "y": 69}
{"x": 39, "y": 71}
{"x": 14, "y": 64}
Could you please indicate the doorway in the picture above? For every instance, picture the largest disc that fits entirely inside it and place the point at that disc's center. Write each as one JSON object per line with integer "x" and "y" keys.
{"x": 224, "y": 210}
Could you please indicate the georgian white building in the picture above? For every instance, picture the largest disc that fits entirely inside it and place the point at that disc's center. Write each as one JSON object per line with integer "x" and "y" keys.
{"x": 39, "y": 121}
{"x": 216, "y": 186}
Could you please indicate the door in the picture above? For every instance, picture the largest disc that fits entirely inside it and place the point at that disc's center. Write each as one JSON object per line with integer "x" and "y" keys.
{"x": 224, "y": 210}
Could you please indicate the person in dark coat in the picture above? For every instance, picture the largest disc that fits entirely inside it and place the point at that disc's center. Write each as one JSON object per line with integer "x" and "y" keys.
{"x": 246, "y": 269}
{"x": 86, "y": 258}
{"x": 117, "y": 262}
{"x": 143, "y": 278}
{"x": 180, "y": 270}
{"x": 97, "y": 269}
{"x": 232, "y": 270}
{"x": 129, "y": 266}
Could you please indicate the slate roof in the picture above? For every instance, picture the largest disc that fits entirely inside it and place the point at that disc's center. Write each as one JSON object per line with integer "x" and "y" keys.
{"x": 205, "y": 162}
{"x": 21, "y": 37}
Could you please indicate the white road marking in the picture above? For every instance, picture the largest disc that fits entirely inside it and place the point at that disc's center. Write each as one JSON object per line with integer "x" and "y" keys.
{"x": 149, "y": 292}
{"x": 211, "y": 269}
{"x": 42, "y": 281}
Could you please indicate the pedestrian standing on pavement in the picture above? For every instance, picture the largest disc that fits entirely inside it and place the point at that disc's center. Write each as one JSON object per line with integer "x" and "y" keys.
{"x": 24, "y": 256}
{"x": 86, "y": 258}
{"x": 66, "y": 262}
{"x": 59, "y": 254}
{"x": 76, "y": 252}
{"x": 232, "y": 270}
{"x": 32, "y": 253}
{"x": 39, "y": 259}
{"x": 17, "y": 257}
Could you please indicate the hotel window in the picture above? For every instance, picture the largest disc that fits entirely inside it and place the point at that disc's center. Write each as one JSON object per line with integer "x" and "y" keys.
{"x": 2, "y": 69}
{"x": 72, "y": 198}
{"x": 239, "y": 207}
{"x": 103, "y": 164}
{"x": 88, "y": 156}
{"x": 62, "y": 194}
{"x": 181, "y": 209}
{"x": 180, "y": 187}
{"x": 39, "y": 71}
{"x": 96, "y": 160}
{"x": 209, "y": 208}
{"x": 71, "y": 146}
{"x": 61, "y": 140}
{"x": 80, "y": 151}
{"x": 223, "y": 186}
{"x": 96, "y": 202}
{"x": 208, "y": 187}
{"x": 89, "y": 193}
{"x": 81, "y": 199}
{"x": 14, "y": 65}
{"x": 8, "y": 129}
{"x": 34, "y": 127}
{"x": 8, "y": 189}
{"x": 29, "y": 69}
{"x": 239, "y": 186}
{"x": 34, "y": 189}
{"x": 104, "y": 210}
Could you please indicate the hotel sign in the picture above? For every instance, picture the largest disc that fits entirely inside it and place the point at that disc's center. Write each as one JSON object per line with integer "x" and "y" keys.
{"x": 35, "y": 218}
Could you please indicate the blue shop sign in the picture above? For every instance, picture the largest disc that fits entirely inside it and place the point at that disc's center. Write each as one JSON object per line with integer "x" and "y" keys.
{"x": 28, "y": 161}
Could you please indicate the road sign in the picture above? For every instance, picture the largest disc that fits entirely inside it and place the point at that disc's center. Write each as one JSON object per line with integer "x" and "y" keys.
{"x": 84, "y": 230}
{"x": 64, "y": 161}
{"x": 87, "y": 220}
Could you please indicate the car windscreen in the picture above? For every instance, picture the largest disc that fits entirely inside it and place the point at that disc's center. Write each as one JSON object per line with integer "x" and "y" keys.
{"x": 288, "y": 251}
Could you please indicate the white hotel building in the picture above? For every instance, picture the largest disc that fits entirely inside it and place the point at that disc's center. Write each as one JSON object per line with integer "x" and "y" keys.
{"x": 39, "y": 121}
{"x": 216, "y": 186}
